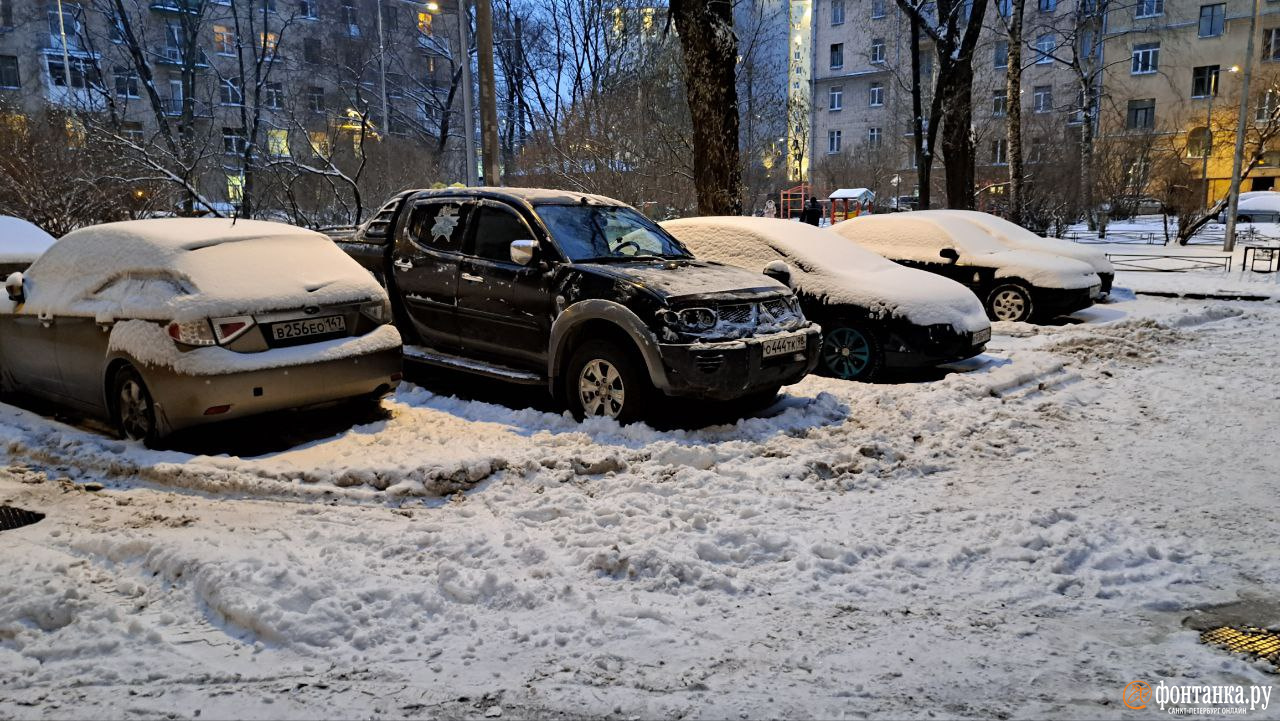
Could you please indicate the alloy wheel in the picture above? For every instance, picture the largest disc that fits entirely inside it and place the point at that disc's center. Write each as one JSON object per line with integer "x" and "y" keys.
{"x": 846, "y": 352}
{"x": 134, "y": 409}
{"x": 1009, "y": 304}
{"x": 601, "y": 389}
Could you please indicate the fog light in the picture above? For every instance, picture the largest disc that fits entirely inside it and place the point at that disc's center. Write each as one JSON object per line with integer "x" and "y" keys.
{"x": 216, "y": 410}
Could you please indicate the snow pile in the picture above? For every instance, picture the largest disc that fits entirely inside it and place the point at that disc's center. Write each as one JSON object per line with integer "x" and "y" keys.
{"x": 21, "y": 241}
{"x": 191, "y": 268}
{"x": 827, "y": 267}
{"x": 1017, "y": 237}
{"x": 916, "y": 237}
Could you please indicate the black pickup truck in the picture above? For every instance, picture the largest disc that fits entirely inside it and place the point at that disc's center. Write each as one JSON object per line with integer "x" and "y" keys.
{"x": 581, "y": 293}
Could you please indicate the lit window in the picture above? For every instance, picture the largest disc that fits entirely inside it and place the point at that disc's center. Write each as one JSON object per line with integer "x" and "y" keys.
{"x": 224, "y": 40}
{"x": 278, "y": 142}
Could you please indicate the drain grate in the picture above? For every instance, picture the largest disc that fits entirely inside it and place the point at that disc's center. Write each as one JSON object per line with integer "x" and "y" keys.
{"x": 1256, "y": 642}
{"x": 11, "y": 518}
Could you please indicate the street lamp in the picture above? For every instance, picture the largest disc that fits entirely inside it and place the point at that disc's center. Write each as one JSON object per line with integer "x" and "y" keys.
{"x": 1233, "y": 197}
{"x": 1208, "y": 128}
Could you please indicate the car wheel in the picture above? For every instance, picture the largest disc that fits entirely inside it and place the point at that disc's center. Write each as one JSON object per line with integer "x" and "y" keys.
{"x": 851, "y": 352}
{"x": 1009, "y": 302}
{"x": 135, "y": 411}
{"x": 604, "y": 380}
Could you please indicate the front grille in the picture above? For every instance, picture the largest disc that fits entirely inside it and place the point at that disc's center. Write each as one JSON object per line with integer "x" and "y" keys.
{"x": 740, "y": 314}
{"x": 708, "y": 362}
{"x": 780, "y": 310}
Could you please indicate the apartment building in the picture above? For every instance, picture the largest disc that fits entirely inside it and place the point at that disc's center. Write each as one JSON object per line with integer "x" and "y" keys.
{"x": 307, "y": 75}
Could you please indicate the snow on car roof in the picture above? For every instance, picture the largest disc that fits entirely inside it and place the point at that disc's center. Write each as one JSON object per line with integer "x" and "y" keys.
{"x": 21, "y": 241}
{"x": 916, "y": 235}
{"x": 187, "y": 268}
{"x": 1264, "y": 200}
{"x": 1016, "y": 236}
{"x": 828, "y": 266}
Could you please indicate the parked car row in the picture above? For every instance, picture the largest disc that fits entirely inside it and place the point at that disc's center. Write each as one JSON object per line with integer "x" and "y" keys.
{"x": 158, "y": 325}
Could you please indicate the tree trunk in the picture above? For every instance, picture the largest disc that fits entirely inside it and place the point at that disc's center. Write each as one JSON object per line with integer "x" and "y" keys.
{"x": 1013, "y": 107}
{"x": 956, "y": 86}
{"x": 1086, "y": 156}
{"x": 710, "y": 52}
{"x": 924, "y": 159}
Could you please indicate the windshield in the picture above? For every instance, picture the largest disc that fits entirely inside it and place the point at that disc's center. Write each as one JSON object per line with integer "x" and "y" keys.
{"x": 594, "y": 232}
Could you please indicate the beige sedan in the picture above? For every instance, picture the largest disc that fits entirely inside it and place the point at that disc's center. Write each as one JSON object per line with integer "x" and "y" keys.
{"x": 158, "y": 325}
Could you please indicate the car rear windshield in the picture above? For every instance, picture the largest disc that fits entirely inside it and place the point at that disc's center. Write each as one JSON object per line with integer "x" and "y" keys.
{"x": 595, "y": 232}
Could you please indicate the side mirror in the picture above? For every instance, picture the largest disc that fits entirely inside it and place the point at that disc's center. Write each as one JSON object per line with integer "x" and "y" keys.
{"x": 950, "y": 254}
{"x": 522, "y": 251}
{"x": 779, "y": 271}
{"x": 13, "y": 284}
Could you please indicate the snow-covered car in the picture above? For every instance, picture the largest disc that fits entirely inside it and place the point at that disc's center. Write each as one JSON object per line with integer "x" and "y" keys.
{"x": 1013, "y": 285}
{"x": 21, "y": 242}
{"x": 874, "y": 314}
{"x": 161, "y": 324}
{"x": 1019, "y": 238}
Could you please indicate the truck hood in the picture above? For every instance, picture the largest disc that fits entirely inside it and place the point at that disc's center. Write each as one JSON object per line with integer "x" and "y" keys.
{"x": 688, "y": 278}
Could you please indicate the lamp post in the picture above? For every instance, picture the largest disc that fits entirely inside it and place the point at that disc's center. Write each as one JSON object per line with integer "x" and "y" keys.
{"x": 1208, "y": 127}
{"x": 468, "y": 122}
{"x": 66, "y": 56}
{"x": 1233, "y": 198}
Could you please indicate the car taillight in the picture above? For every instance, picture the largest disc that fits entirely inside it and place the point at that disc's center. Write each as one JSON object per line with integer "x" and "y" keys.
{"x": 192, "y": 332}
{"x": 228, "y": 329}
{"x": 379, "y": 310}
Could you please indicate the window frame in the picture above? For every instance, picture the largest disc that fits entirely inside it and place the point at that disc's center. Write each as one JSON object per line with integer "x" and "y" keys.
{"x": 1144, "y": 58}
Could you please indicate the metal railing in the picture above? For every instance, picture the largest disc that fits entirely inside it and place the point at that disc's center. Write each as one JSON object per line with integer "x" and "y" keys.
{"x": 1160, "y": 263}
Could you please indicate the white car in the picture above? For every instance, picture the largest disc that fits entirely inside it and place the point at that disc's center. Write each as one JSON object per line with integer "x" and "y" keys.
{"x": 160, "y": 324}
{"x": 21, "y": 242}
{"x": 1019, "y": 238}
{"x": 1013, "y": 284}
{"x": 874, "y": 314}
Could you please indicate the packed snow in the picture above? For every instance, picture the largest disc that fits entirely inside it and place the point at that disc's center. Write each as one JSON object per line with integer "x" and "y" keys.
{"x": 1023, "y": 538}
{"x": 21, "y": 241}
{"x": 191, "y": 268}
{"x": 918, "y": 237}
{"x": 1018, "y": 237}
{"x": 827, "y": 266}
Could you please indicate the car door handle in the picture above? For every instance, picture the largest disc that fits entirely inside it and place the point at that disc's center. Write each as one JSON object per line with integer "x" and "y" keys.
{"x": 472, "y": 278}
{"x": 403, "y": 264}
{"x": 46, "y": 319}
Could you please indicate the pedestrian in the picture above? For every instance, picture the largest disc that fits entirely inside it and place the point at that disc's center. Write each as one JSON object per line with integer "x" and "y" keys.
{"x": 812, "y": 212}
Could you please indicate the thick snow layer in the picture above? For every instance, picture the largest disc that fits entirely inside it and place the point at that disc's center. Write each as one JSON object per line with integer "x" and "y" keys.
{"x": 681, "y": 278}
{"x": 190, "y": 268}
{"x": 1262, "y": 200}
{"x": 1045, "y": 521}
{"x": 149, "y": 344}
{"x": 21, "y": 241}
{"x": 827, "y": 266}
{"x": 918, "y": 237}
{"x": 1017, "y": 237}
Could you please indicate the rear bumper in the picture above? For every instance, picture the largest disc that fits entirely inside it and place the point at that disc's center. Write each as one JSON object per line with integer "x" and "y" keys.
{"x": 182, "y": 400}
{"x": 725, "y": 371}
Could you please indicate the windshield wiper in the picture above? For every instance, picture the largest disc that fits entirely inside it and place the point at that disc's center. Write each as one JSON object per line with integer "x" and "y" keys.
{"x": 623, "y": 258}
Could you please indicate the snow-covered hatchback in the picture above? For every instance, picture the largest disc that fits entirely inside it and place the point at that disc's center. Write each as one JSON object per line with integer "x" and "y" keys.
{"x": 161, "y": 324}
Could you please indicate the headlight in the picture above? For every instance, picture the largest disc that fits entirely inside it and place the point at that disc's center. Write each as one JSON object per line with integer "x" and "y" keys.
{"x": 695, "y": 319}
{"x": 379, "y": 310}
{"x": 941, "y": 331}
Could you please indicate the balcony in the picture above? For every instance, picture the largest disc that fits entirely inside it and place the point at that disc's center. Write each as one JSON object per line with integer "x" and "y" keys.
{"x": 175, "y": 56}
{"x": 172, "y": 107}
{"x": 177, "y": 6}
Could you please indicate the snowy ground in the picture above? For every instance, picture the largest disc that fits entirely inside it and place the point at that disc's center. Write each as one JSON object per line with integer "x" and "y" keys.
{"x": 1019, "y": 540}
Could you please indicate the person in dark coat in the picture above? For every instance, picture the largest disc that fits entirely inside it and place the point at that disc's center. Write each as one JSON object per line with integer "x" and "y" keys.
{"x": 812, "y": 211}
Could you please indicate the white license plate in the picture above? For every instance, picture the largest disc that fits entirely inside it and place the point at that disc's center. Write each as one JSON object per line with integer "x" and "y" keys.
{"x": 290, "y": 330}
{"x": 784, "y": 345}
{"x": 982, "y": 336}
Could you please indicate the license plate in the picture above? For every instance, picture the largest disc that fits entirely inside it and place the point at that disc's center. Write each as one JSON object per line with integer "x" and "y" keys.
{"x": 982, "y": 336}
{"x": 293, "y": 329}
{"x": 782, "y": 346}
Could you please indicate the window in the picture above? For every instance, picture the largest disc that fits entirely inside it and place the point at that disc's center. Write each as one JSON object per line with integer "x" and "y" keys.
{"x": 877, "y": 50}
{"x": 82, "y": 74}
{"x": 9, "y": 77}
{"x": 874, "y": 137}
{"x": 1149, "y": 8}
{"x": 1146, "y": 58}
{"x": 424, "y": 24}
{"x": 320, "y": 144}
{"x": 126, "y": 81}
{"x": 235, "y": 187}
{"x": 1001, "y": 54}
{"x": 876, "y": 95}
{"x": 315, "y": 99}
{"x": 307, "y": 9}
{"x": 438, "y": 226}
{"x": 835, "y": 97}
{"x": 1268, "y": 106}
{"x": 1048, "y": 6}
{"x": 229, "y": 92}
{"x": 268, "y": 42}
{"x": 1271, "y": 44}
{"x": 1211, "y": 19}
{"x": 312, "y": 51}
{"x": 278, "y": 142}
{"x": 132, "y": 132}
{"x": 347, "y": 14}
{"x": 1199, "y": 143}
{"x": 67, "y": 22}
{"x": 833, "y": 141}
{"x": 273, "y": 95}
{"x": 999, "y": 103}
{"x": 496, "y": 228}
{"x": 224, "y": 40}
{"x": 1204, "y": 81}
{"x": 233, "y": 141}
{"x": 879, "y": 8}
{"x": 1000, "y": 152}
{"x": 837, "y": 56}
{"x": 1042, "y": 98}
{"x": 1044, "y": 49}
{"x": 390, "y": 20}
{"x": 1141, "y": 115}
{"x": 837, "y": 12}
{"x": 6, "y": 13}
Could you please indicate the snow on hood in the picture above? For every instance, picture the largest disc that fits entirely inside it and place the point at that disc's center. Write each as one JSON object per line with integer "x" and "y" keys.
{"x": 1019, "y": 238}
{"x": 678, "y": 278}
{"x": 189, "y": 268}
{"x": 1262, "y": 200}
{"x": 918, "y": 237}
{"x": 21, "y": 241}
{"x": 826, "y": 266}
